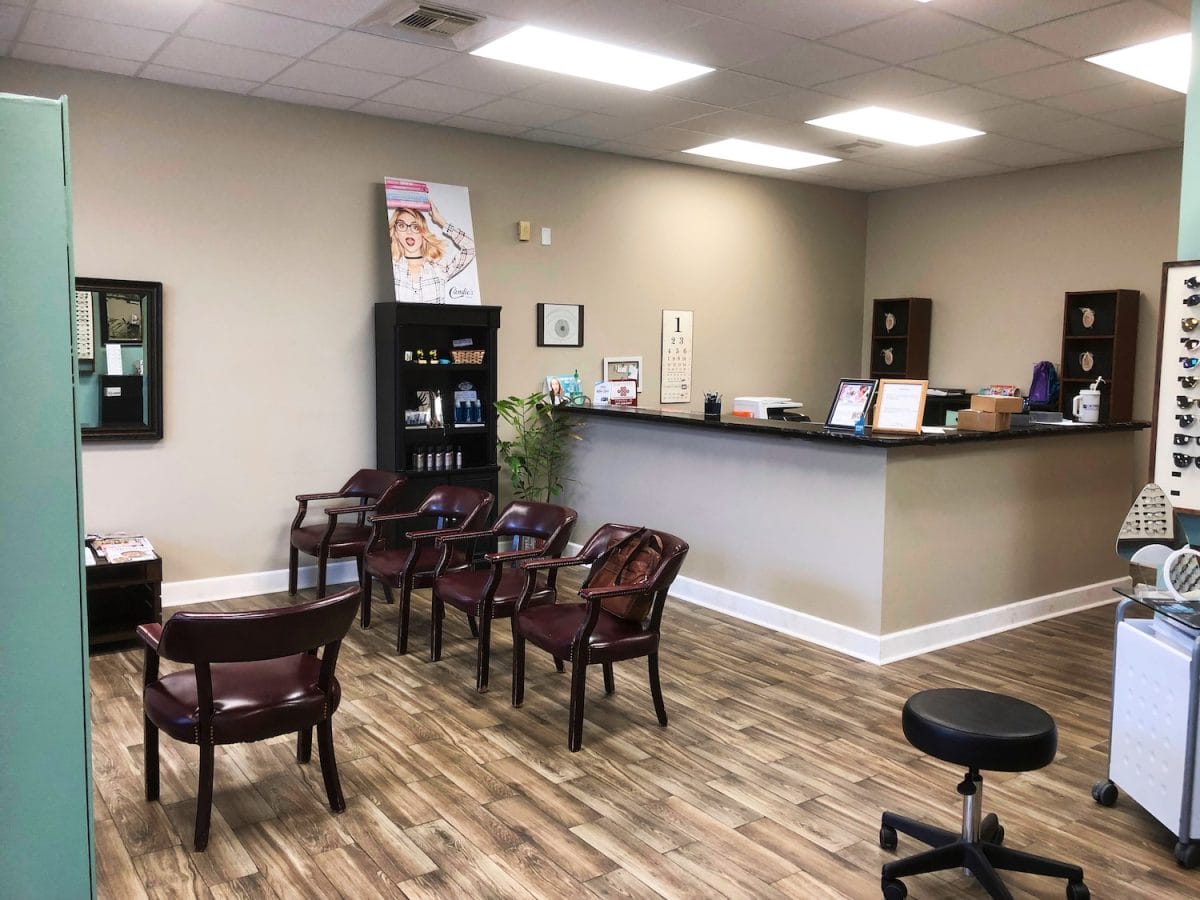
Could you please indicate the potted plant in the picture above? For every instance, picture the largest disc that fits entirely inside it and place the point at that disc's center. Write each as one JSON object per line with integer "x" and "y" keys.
{"x": 536, "y": 456}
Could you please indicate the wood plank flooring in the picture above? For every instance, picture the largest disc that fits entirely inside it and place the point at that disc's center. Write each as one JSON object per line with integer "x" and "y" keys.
{"x": 768, "y": 782}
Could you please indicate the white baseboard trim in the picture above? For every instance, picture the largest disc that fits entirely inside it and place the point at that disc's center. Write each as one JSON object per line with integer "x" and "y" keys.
{"x": 851, "y": 641}
{"x": 249, "y": 584}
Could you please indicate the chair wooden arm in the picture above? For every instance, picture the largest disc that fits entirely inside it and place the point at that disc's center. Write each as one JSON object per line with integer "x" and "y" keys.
{"x": 615, "y": 590}
{"x": 400, "y": 516}
{"x": 560, "y": 563}
{"x": 335, "y": 511}
{"x": 428, "y": 534}
{"x": 326, "y": 495}
{"x": 455, "y": 536}
{"x": 504, "y": 556}
{"x": 150, "y": 634}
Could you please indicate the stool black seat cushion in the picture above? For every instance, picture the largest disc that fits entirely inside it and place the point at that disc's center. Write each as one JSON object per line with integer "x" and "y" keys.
{"x": 980, "y": 730}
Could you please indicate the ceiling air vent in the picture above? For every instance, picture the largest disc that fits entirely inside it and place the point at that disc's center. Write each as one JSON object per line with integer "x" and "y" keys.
{"x": 857, "y": 146}
{"x": 435, "y": 20}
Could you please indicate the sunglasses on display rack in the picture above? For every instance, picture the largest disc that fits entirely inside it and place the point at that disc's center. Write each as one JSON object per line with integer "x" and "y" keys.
{"x": 1182, "y": 440}
{"x": 1183, "y": 460}
{"x": 1189, "y": 362}
{"x": 1192, "y": 300}
{"x": 1190, "y": 343}
{"x": 1189, "y": 324}
{"x": 1187, "y": 381}
{"x": 1191, "y": 282}
{"x": 1185, "y": 402}
{"x": 1185, "y": 421}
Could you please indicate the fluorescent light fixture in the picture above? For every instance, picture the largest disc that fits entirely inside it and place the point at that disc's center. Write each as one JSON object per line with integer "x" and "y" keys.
{"x": 896, "y": 127}
{"x": 1166, "y": 62}
{"x": 757, "y": 154}
{"x": 584, "y": 58}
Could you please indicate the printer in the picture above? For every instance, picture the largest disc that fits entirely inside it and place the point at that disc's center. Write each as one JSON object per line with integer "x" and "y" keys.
{"x": 762, "y": 407}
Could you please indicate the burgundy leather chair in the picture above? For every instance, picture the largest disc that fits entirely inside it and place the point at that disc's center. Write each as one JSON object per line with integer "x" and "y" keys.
{"x": 375, "y": 491}
{"x": 491, "y": 593}
{"x": 458, "y": 509}
{"x": 254, "y": 675}
{"x": 588, "y": 633}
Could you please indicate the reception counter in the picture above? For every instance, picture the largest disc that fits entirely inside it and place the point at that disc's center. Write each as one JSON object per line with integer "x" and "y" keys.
{"x": 878, "y": 546}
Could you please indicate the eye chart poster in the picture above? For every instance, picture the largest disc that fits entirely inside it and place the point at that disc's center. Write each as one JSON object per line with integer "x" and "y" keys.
{"x": 676, "y": 382}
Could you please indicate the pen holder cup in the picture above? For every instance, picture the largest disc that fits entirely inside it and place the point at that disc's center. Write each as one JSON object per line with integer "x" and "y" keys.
{"x": 712, "y": 409}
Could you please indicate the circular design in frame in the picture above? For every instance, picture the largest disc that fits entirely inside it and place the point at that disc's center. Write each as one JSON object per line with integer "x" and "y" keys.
{"x": 560, "y": 325}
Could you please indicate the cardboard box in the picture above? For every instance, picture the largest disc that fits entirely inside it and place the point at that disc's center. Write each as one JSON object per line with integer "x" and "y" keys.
{"x": 980, "y": 420}
{"x": 993, "y": 404}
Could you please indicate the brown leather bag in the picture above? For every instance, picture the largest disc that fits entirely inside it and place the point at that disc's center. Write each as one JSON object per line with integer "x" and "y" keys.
{"x": 629, "y": 561}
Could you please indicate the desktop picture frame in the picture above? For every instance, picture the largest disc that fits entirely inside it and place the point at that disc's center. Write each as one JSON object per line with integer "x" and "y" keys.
{"x": 620, "y": 368}
{"x": 851, "y": 402}
{"x": 900, "y": 405}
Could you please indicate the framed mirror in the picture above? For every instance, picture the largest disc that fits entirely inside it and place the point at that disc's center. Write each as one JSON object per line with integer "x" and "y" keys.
{"x": 118, "y": 345}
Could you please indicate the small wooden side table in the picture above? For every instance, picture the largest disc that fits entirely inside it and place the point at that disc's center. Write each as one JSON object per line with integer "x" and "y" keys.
{"x": 122, "y": 596}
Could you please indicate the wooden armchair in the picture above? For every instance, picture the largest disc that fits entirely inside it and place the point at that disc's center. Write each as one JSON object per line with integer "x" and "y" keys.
{"x": 375, "y": 491}
{"x": 254, "y": 675}
{"x": 458, "y": 509}
{"x": 624, "y": 594}
{"x": 491, "y": 593}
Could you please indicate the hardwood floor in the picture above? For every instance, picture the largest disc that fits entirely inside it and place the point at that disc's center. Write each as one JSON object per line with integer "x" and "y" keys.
{"x": 768, "y": 782}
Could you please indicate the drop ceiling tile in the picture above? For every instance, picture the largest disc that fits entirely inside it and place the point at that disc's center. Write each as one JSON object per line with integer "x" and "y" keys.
{"x": 221, "y": 59}
{"x": 653, "y": 109}
{"x": 437, "y": 97}
{"x": 626, "y": 22}
{"x": 560, "y": 137}
{"x": 74, "y": 59}
{"x": 809, "y": 64}
{"x": 598, "y": 125}
{"x": 256, "y": 30}
{"x": 1079, "y": 130}
{"x": 957, "y": 101}
{"x": 523, "y": 10}
{"x": 303, "y": 98}
{"x": 576, "y": 93}
{"x": 138, "y": 13}
{"x": 1179, "y": 7}
{"x": 951, "y": 167}
{"x": 198, "y": 79}
{"x": 809, "y": 138}
{"x": 1122, "y": 95}
{"x": 478, "y": 74}
{"x": 911, "y": 35}
{"x": 1021, "y": 120}
{"x": 391, "y": 111}
{"x": 625, "y": 149}
{"x": 1053, "y": 81}
{"x": 342, "y": 13}
{"x": 85, "y": 36}
{"x": 1013, "y": 15}
{"x": 885, "y": 86}
{"x": 1163, "y": 119}
{"x": 10, "y": 21}
{"x": 722, "y": 44}
{"x": 326, "y": 79}
{"x": 1006, "y": 151}
{"x": 1110, "y": 28}
{"x": 806, "y": 18}
{"x": 798, "y": 105}
{"x": 989, "y": 59}
{"x": 378, "y": 54}
{"x": 522, "y": 112}
{"x": 6, "y": 48}
{"x": 878, "y": 176}
{"x": 725, "y": 88}
{"x": 1115, "y": 144}
{"x": 735, "y": 123}
{"x": 469, "y": 123}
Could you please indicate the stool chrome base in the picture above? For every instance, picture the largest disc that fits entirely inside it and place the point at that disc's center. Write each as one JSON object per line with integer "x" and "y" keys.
{"x": 977, "y": 849}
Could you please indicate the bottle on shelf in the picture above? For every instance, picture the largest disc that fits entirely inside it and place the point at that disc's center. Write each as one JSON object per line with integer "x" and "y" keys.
{"x": 458, "y": 457}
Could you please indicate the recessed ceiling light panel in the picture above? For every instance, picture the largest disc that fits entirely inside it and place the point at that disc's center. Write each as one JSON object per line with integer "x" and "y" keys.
{"x": 566, "y": 54}
{"x": 1166, "y": 62}
{"x": 756, "y": 154}
{"x": 894, "y": 126}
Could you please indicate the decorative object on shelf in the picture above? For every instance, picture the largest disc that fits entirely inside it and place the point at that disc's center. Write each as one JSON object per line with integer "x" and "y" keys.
{"x": 1099, "y": 340}
{"x": 467, "y": 357}
{"x": 676, "y": 379}
{"x": 900, "y": 338}
{"x": 536, "y": 455}
{"x": 901, "y": 405}
{"x": 433, "y": 251}
{"x": 851, "y": 403}
{"x": 1086, "y": 360}
{"x": 559, "y": 325}
{"x": 1087, "y": 316}
{"x": 619, "y": 368}
{"x": 712, "y": 405}
{"x": 561, "y": 390}
{"x": 1169, "y": 467}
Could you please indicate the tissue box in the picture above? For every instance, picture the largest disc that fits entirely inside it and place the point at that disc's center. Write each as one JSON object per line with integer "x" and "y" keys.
{"x": 981, "y": 420}
{"x": 993, "y": 404}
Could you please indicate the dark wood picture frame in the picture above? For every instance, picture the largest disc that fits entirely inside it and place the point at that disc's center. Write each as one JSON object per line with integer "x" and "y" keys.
{"x": 560, "y": 325}
{"x": 840, "y": 399}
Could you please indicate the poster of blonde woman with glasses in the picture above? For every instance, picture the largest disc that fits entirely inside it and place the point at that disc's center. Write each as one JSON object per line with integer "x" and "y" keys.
{"x": 433, "y": 253}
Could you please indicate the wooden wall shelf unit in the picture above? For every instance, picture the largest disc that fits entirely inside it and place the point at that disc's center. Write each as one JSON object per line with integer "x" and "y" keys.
{"x": 401, "y": 327}
{"x": 900, "y": 338}
{"x": 120, "y": 597}
{"x": 1100, "y": 340}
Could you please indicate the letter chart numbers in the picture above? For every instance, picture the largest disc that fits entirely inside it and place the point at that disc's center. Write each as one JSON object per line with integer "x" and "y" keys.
{"x": 676, "y": 382}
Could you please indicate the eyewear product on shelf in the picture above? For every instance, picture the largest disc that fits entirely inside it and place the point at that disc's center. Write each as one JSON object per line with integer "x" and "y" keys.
{"x": 1183, "y": 439}
{"x": 1183, "y": 460}
{"x": 1185, "y": 402}
{"x": 1189, "y": 324}
{"x": 1192, "y": 282}
{"x": 1189, "y": 362}
{"x": 1187, "y": 381}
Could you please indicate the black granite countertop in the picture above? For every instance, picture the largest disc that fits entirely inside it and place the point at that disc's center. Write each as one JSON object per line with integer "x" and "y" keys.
{"x": 815, "y": 431}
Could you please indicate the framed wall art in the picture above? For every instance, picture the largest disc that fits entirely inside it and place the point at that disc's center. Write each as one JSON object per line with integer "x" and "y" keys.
{"x": 559, "y": 325}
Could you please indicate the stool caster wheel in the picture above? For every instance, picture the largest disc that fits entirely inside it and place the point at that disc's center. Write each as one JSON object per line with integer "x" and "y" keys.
{"x": 887, "y": 837}
{"x": 991, "y": 830}
{"x": 1077, "y": 890}
{"x": 895, "y": 890}
{"x": 1187, "y": 855}
{"x": 1104, "y": 792}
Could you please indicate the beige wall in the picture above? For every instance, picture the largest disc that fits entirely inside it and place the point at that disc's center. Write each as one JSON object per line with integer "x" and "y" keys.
{"x": 264, "y": 222}
{"x": 997, "y": 254}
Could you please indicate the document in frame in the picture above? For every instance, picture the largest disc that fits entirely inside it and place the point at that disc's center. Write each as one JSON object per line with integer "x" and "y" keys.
{"x": 900, "y": 406}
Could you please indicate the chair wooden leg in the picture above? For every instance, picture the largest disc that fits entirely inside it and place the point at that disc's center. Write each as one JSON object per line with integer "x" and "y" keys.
{"x": 656, "y": 689}
{"x": 388, "y": 598}
{"x": 204, "y": 797}
{"x": 609, "y": 687}
{"x": 304, "y": 745}
{"x": 483, "y": 666}
{"x": 364, "y": 604}
{"x": 473, "y": 626}
{"x": 437, "y": 613}
{"x": 329, "y": 772}
{"x": 293, "y": 567}
{"x": 518, "y": 675}
{"x": 405, "y": 605}
{"x": 575, "y": 722}
{"x": 322, "y": 562}
{"x": 150, "y": 757}
{"x": 558, "y": 665}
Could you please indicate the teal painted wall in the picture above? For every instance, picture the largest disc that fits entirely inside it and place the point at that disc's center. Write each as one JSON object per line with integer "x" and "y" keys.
{"x": 45, "y": 742}
{"x": 1189, "y": 189}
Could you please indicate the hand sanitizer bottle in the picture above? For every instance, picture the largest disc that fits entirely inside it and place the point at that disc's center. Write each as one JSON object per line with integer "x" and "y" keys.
{"x": 860, "y": 427}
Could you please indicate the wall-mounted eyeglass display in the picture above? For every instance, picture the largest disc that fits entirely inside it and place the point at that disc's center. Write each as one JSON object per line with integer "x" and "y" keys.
{"x": 1183, "y": 460}
{"x": 1185, "y": 402}
{"x": 1183, "y": 439}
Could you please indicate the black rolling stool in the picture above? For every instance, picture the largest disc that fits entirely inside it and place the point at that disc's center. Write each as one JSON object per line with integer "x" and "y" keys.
{"x": 979, "y": 730}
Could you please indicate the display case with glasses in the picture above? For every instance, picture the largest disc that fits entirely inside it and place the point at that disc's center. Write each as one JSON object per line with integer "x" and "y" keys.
{"x": 900, "y": 338}
{"x": 1100, "y": 341}
{"x": 1175, "y": 449}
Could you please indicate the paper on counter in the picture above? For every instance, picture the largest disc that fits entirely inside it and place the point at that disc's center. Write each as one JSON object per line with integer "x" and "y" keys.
{"x": 112, "y": 359}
